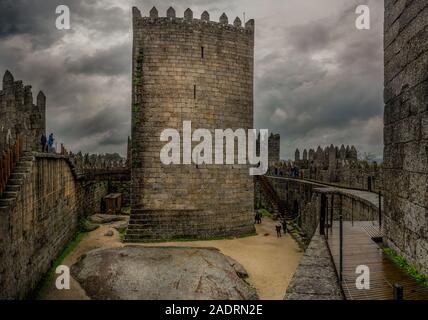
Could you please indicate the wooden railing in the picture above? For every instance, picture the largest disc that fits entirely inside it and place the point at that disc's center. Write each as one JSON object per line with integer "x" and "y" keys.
{"x": 8, "y": 159}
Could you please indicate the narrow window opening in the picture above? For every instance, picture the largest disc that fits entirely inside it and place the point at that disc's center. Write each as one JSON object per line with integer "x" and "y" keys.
{"x": 194, "y": 91}
{"x": 202, "y": 52}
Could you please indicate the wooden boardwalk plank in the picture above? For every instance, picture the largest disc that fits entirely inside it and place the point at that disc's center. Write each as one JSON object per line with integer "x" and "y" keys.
{"x": 360, "y": 249}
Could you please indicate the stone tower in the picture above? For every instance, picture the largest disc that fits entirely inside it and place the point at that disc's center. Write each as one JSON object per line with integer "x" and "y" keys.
{"x": 187, "y": 69}
{"x": 274, "y": 148}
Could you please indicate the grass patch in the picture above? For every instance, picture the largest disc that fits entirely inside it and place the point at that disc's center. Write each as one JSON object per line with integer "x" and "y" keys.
{"x": 122, "y": 233}
{"x": 298, "y": 235}
{"x": 265, "y": 213}
{"x": 86, "y": 226}
{"x": 126, "y": 210}
{"x": 403, "y": 264}
{"x": 43, "y": 284}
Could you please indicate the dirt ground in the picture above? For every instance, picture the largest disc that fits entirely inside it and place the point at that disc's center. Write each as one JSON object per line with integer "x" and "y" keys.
{"x": 270, "y": 261}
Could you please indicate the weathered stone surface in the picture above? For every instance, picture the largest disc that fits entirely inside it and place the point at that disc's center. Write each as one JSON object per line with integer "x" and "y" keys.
{"x": 109, "y": 233}
{"x": 406, "y": 118}
{"x": 88, "y": 226}
{"x": 106, "y": 218}
{"x": 161, "y": 273}
{"x": 121, "y": 227}
{"x": 43, "y": 218}
{"x": 315, "y": 277}
{"x": 199, "y": 71}
{"x": 239, "y": 269}
{"x": 18, "y": 114}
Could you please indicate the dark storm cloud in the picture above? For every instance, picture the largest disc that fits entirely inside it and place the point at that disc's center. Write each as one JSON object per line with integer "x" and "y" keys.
{"x": 326, "y": 84}
{"x": 85, "y": 71}
{"x": 318, "y": 80}
{"x": 118, "y": 62}
{"x": 19, "y": 17}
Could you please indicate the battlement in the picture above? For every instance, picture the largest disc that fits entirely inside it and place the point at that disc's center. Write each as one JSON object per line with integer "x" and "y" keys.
{"x": 328, "y": 153}
{"x": 188, "y": 19}
{"x": 19, "y": 114}
{"x": 97, "y": 161}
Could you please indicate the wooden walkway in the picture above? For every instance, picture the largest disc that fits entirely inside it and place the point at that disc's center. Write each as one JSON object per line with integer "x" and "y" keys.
{"x": 360, "y": 249}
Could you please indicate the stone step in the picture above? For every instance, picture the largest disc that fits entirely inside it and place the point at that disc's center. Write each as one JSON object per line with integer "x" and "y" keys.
{"x": 6, "y": 202}
{"x": 24, "y": 164}
{"x": 13, "y": 188}
{"x": 20, "y": 176}
{"x": 3, "y": 209}
{"x": 14, "y": 182}
{"x": 26, "y": 159}
{"x": 132, "y": 226}
{"x": 135, "y": 231}
{"x": 21, "y": 170}
{"x": 135, "y": 238}
{"x": 9, "y": 195}
{"x": 139, "y": 221}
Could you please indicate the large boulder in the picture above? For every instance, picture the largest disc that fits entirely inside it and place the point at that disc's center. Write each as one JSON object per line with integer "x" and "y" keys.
{"x": 106, "y": 218}
{"x": 159, "y": 273}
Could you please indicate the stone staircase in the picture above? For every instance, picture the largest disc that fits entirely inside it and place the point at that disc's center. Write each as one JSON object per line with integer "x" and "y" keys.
{"x": 278, "y": 206}
{"x": 135, "y": 227}
{"x": 14, "y": 184}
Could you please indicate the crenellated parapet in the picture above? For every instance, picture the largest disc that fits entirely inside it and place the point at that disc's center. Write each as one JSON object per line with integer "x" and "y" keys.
{"x": 189, "y": 20}
{"x": 333, "y": 164}
{"x": 88, "y": 161}
{"x": 19, "y": 114}
{"x": 327, "y": 155}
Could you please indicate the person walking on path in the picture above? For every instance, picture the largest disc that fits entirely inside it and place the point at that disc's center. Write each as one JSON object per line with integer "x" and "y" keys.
{"x": 278, "y": 231}
{"x": 284, "y": 225}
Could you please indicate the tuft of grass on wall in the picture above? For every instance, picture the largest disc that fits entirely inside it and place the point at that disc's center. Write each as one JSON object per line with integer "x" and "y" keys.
{"x": 403, "y": 264}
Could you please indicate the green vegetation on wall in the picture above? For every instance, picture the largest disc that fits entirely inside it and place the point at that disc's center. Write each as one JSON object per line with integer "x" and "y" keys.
{"x": 403, "y": 264}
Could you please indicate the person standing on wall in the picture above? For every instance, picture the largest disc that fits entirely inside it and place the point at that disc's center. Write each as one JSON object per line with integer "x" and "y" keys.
{"x": 51, "y": 142}
{"x": 43, "y": 142}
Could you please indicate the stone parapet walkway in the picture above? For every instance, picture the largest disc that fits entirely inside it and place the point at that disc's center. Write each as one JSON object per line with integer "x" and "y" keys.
{"x": 315, "y": 277}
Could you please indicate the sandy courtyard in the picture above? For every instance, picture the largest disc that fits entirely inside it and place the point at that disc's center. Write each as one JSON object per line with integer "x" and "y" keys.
{"x": 270, "y": 261}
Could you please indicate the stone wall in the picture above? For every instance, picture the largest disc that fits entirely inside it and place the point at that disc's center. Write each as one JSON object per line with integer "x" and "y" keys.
{"x": 315, "y": 277}
{"x": 339, "y": 166}
{"x": 43, "y": 218}
{"x": 187, "y": 69}
{"x": 406, "y": 129}
{"x": 19, "y": 115}
{"x": 302, "y": 199}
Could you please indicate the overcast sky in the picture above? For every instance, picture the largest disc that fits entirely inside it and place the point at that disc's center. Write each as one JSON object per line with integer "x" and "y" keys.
{"x": 318, "y": 80}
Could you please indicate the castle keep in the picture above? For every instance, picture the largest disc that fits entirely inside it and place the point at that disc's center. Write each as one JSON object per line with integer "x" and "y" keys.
{"x": 197, "y": 70}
